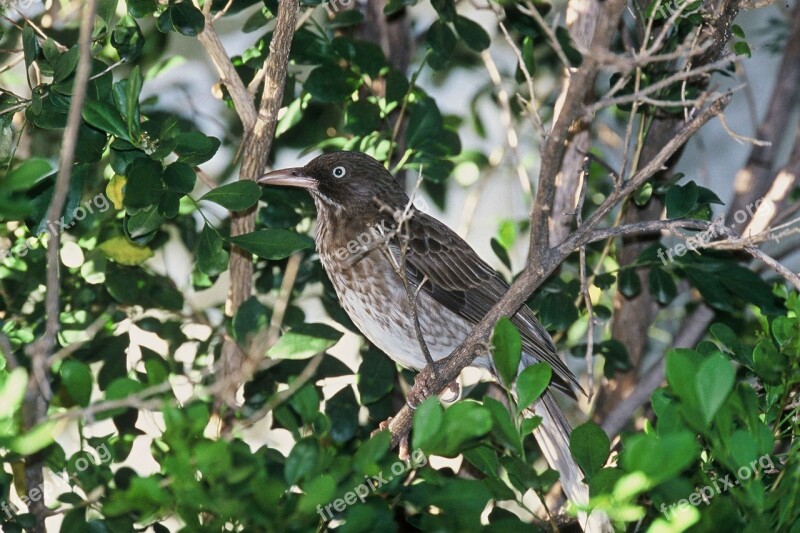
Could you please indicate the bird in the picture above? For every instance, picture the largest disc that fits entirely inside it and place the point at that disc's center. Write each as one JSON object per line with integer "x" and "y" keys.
{"x": 416, "y": 289}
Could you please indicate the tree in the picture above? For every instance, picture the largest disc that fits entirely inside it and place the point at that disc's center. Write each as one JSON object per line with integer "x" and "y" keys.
{"x": 98, "y": 338}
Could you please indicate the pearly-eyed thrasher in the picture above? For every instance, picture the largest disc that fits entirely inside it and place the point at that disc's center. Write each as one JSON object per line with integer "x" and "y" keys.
{"x": 419, "y": 265}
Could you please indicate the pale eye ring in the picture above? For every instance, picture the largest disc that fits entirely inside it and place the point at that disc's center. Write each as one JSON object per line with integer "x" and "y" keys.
{"x": 339, "y": 172}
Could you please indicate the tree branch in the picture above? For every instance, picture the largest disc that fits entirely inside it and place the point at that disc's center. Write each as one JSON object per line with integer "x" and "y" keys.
{"x": 38, "y": 391}
{"x": 258, "y": 143}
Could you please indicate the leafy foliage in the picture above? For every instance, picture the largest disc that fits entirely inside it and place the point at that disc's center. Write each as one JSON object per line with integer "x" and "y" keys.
{"x": 140, "y": 189}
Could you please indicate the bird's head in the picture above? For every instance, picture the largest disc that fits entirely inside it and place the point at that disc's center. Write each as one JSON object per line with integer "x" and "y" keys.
{"x": 341, "y": 181}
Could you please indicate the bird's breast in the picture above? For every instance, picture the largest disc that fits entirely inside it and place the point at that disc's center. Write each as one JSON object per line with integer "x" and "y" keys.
{"x": 372, "y": 293}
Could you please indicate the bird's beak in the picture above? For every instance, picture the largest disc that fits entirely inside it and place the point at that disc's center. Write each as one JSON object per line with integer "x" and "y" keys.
{"x": 290, "y": 177}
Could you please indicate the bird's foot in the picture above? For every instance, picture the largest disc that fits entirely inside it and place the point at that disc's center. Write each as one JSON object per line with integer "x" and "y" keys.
{"x": 382, "y": 426}
{"x": 423, "y": 386}
{"x": 455, "y": 389}
{"x": 402, "y": 447}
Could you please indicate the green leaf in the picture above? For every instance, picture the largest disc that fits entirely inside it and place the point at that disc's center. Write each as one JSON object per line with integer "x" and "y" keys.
{"x": 77, "y": 380}
{"x": 24, "y": 176}
{"x": 272, "y": 243}
{"x": 12, "y": 391}
{"x": 329, "y": 84}
{"x": 212, "y": 259}
{"x": 304, "y": 341}
{"x": 141, "y": 8}
{"x": 250, "y": 318}
{"x": 531, "y": 383}
{"x": 506, "y": 350}
{"x": 345, "y": 19}
{"x": 473, "y": 34}
{"x": 590, "y": 447}
{"x": 195, "y": 148}
{"x": 127, "y": 39}
{"x": 362, "y": 117}
{"x": 659, "y": 457}
{"x": 302, "y": 461}
{"x": 768, "y": 362}
{"x": 35, "y": 439}
{"x": 463, "y": 421}
{"x": 503, "y": 426}
{"x": 180, "y": 177}
{"x": 143, "y": 186}
{"x": 445, "y": 8}
{"x": 713, "y": 384}
{"x": 30, "y": 45}
{"x": 643, "y": 194}
{"x": 741, "y": 48}
{"x": 66, "y": 64}
{"x": 681, "y": 200}
{"x": 662, "y": 286}
{"x": 237, "y": 196}
{"x": 629, "y": 283}
{"x": 427, "y": 423}
{"x": 105, "y": 117}
{"x": 185, "y": 18}
{"x": 441, "y": 38}
{"x": 145, "y": 221}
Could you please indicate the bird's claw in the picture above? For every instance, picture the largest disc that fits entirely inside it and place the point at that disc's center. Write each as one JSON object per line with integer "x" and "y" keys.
{"x": 382, "y": 426}
{"x": 455, "y": 389}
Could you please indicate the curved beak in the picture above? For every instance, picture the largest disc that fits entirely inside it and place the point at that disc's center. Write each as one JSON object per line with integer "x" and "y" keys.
{"x": 290, "y": 177}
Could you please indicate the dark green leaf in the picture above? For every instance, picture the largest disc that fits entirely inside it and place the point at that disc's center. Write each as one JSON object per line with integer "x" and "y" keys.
{"x": 105, "y": 117}
{"x": 237, "y": 196}
{"x": 66, "y": 64}
{"x": 212, "y": 259}
{"x": 506, "y": 350}
{"x": 77, "y": 380}
{"x": 143, "y": 186}
{"x": 329, "y": 84}
{"x": 662, "y": 285}
{"x": 272, "y": 243}
{"x": 441, "y": 38}
{"x": 590, "y": 447}
{"x": 180, "y": 177}
{"x": 681, "y": 200}
{"x": 629, "y": 283}
{"x": 472, "y": 33}
{"x": 30, "y": 45}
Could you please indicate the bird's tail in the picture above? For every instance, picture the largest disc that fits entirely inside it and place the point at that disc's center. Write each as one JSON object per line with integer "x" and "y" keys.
{"x": 552, "y": 435}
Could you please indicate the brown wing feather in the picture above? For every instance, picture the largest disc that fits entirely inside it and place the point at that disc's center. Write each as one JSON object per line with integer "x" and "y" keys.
{"x": 463, "y": 282}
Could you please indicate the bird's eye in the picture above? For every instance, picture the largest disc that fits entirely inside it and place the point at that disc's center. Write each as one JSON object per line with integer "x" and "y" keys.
{"x": 339, "y": 172}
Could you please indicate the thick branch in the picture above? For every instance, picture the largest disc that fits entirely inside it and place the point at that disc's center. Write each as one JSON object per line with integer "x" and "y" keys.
{"x": 258, "y": 143}
{"x": 556, "y": 144}
{"x": 242, "y": 100}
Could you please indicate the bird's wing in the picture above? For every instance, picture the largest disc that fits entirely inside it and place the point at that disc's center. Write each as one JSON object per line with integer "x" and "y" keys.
{"x": 463, "y": 282}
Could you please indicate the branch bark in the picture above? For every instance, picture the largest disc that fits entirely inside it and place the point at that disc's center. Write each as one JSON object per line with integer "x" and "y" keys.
{"x": 259, "y": 134}
{"x": 38, "y": 391}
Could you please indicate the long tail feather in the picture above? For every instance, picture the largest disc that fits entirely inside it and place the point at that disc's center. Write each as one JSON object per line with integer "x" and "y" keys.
{"x": 552, "y": 435}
